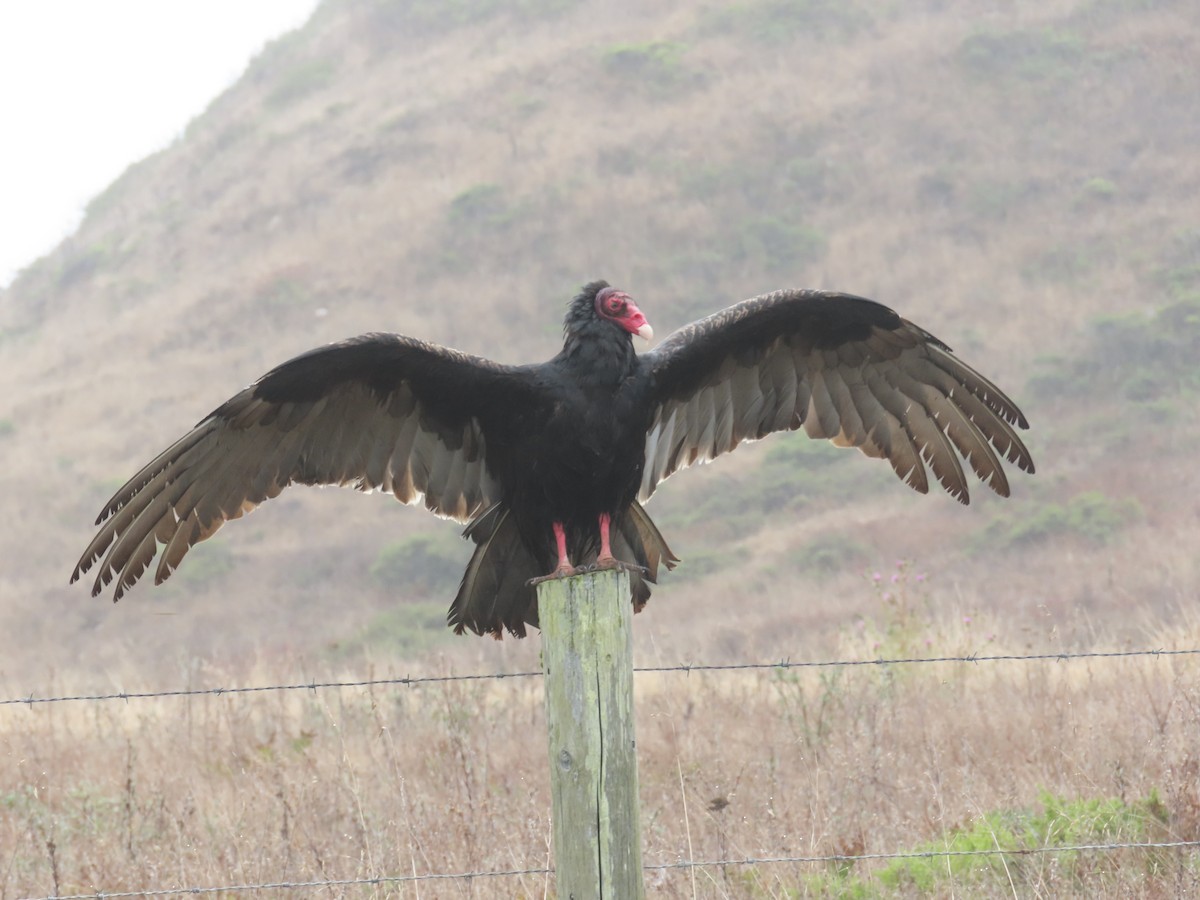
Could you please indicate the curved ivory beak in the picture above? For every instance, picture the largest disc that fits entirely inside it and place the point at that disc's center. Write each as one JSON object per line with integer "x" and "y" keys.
{"x": 645, "y": 332}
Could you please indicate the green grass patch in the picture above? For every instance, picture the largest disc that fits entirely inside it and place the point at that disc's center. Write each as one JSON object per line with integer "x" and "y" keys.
{"x": 779, "y": 247}
{"x": 283, "y": 293}
{"x": 485, "y": 220}
{"x": 1135, "y": 356}
{"x": 831, "y": 554}
{"x": 299, "y": 80}
{"x": 1061, "y": 264}
{"x": 481, "y": 207}
{"x": 1043, "y": 56}
{"x": 798, "y": 473}
{"x": 424, "y": 564}
{"x": 1091, "y": 515}
{"x": 993, "y": 200}
{"x": 1179, "y": 272}
{"x": 206, "y": 564}
{"x": 784, "y": 21}
{"x": 1099, "y": 189}
{"x": 410, "y": 628}
{"x": 789, "y": 179}
{"x": 1055, "y": 822}
{"x": 407, "y": 17}
{"x": 656, "y": 67}
{"x": 77, "y": 264}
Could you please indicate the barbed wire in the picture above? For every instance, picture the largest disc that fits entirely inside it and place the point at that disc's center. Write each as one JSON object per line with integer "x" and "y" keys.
{"x": 912, "y": 660}
{"x": 337, "y": 882}
{"x": 926, "y": 854}
{"x": 305, "y": 686}
{"x": 682, "y": 864}
{"x": 413, "y": 681}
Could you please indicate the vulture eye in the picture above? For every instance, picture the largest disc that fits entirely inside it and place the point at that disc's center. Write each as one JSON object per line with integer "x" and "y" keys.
{"x": 614, "y": 304}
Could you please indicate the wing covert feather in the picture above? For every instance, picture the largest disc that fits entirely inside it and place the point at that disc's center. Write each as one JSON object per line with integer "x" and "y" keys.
{"x": 380, "y": 412}
{"x": 842, "y": 367}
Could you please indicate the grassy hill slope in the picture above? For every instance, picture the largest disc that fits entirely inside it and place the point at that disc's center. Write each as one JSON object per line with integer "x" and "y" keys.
{"x": 1021, "y": 181}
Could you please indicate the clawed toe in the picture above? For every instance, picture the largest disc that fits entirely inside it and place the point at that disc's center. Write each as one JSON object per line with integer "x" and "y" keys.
{"x": 612, "y": 562}
{"x": 560, "y": 572}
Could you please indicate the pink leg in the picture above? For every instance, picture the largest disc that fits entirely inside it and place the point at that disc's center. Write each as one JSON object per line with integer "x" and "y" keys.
{"x": 606, "y": 558}
{"x": 564, "y": 569}
{"x": 564, "y": 563}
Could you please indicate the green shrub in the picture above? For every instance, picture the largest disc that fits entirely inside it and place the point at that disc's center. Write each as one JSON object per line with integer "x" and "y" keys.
{"x": 780, "y": 247}
{"x": 1091, "y": 515}
{"x": 7, "y": 428}
{"x": 421, "y": 564}
{"x": 282, "y": 293}
{"x": 701, "y": 562}
{"x": 1061, "y": 264}
{"x": 769, "y": 181}
{"x": 1032, "y": 56}
{"x": 1055, "y": 823}
{"x": 408, "y": 629}
{"x": 77, "y": 264}
{"x": 1138, "y": 357}
{"x": 735, "y": 191}
{"x": 392, "y": 18}
{"x": 205, "y": 564}
{"x": 1100, "y": 188}
{"x": 830, "y": 554}
{"x": 299, "y": 80}
{"x": 481, "y": 207}
{"x": 1059, "y": 823}
{"x": 782, "y": 21}
{"x": 1095, "y": 12}
{"x": 994, "y": 200}
{"x": 655, "y": 66}
{"x": 1180, "y": 270}
{"x": 797, "y": 473}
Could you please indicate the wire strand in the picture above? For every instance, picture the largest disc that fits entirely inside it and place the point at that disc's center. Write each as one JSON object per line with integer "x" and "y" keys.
{"x": 337, "y": 882}
{"x": 783, "y": 664}
{"x": 682, "y": 864}
{"x": 926, "y": 854}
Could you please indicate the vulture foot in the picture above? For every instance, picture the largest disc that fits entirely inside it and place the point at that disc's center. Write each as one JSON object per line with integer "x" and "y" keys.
{"x": 560, "y": 572}
{"x": 612, "y": 562}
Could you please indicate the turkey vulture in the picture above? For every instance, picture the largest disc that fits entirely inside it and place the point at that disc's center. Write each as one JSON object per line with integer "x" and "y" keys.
{"x": 548, "y": 464}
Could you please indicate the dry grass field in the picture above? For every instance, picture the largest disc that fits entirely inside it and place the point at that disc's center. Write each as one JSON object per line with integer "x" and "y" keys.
{"x": 451, "y": 777}
{"x": 1020, "y": 178}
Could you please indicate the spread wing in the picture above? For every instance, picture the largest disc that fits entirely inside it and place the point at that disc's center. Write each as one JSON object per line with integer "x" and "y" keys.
{"x": 843, "y": 368}
{"x": 378, "y": 412}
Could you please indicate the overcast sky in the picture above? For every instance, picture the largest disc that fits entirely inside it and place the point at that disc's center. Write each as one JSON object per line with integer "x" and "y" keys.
{"x": 89, "y": 86}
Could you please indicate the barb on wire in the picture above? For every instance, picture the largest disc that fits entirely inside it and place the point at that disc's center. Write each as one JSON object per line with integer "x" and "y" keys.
{"x": 410, "y": 681}
{"x": 682, "y": 864}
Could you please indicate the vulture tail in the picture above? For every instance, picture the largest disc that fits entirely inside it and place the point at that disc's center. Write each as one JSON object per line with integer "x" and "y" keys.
{"x": 495, "y": 595}
{"x": 637, "y": 539}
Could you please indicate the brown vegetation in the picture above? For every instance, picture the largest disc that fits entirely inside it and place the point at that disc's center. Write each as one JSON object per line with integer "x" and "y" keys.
{"x": 362, "y": 783}
{"x": 1021, "y": 179}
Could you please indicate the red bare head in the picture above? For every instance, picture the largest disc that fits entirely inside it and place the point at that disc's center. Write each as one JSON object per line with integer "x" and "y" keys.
{"x": 616, "y": 306}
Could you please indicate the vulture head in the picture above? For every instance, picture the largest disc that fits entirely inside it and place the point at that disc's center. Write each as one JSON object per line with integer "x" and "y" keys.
{"x": 598, "y": 307}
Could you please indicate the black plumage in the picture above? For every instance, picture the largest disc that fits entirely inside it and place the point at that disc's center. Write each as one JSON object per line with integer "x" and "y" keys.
{"x": 547, "y": 464}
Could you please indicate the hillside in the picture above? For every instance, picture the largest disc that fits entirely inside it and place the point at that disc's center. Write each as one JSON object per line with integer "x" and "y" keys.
{"x": 1021, "y": 180}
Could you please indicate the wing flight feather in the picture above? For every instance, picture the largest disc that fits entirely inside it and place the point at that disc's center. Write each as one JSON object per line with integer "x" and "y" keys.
{"x": 845, "y": 369}
{"x": 381, "y": 412}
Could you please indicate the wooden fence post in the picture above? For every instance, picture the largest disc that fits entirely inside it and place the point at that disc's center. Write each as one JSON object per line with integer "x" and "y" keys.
{"x": 587, "y": 658}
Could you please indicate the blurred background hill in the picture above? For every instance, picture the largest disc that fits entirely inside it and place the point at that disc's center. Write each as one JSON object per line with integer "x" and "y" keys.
{"x": 1021, "y": 179}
